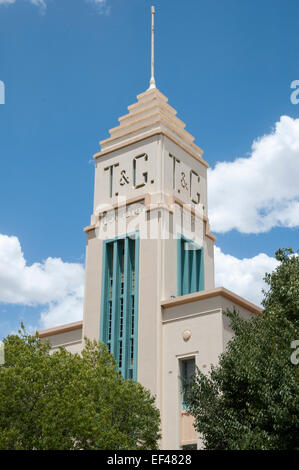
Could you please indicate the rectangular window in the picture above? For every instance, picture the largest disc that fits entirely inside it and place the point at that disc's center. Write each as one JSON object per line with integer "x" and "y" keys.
{"x": 119, "y": 302}
{"x": 190, "y": 447}
{"x": 187, "y": 374}
{"x": 190, "y": 267}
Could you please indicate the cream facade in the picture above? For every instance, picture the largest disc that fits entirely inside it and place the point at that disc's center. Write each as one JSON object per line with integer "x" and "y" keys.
{"x": 149, "y": 289}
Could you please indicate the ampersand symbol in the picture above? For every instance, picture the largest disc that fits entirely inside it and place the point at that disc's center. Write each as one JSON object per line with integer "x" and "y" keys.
{"x": 124, "y": 179}
{"x": 184, "y": 182}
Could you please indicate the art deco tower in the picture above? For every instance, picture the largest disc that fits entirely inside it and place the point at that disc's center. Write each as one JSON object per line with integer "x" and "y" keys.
{"x": 149, "y": 290}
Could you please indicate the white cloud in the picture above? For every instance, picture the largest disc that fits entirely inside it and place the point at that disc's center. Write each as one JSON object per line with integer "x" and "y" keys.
{"x": 243, "y": 276}
{"x": 64, "y": 311}
{"x": 255, "y": 194}
{"x": 53, "y": 284}
{"x": 39, "y": 3}
{"x": 57, "y": 286}
{"x": 97, "y": 2}
{"x": 101, "y": 5}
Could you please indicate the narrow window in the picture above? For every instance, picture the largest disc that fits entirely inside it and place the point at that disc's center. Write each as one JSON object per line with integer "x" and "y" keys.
{"x": 132, "y": 308}
{"x": 119, "y": 302}
{"x": 187, "y": 375}
{"x": 189, "y": 447}
{"x": 190, "y": 267}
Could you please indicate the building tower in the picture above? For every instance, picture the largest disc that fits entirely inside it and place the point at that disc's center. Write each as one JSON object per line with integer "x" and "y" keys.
{"x": 149, "y": 290}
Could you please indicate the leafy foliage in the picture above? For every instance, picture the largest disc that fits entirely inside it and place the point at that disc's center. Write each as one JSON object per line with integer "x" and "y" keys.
{"x": 250, "y": 400}
{"x": 71, "y": 401}
{"x": 283, "y": 294}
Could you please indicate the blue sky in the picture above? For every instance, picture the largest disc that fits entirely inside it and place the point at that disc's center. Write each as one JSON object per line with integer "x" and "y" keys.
{"x": 71, "y": 68}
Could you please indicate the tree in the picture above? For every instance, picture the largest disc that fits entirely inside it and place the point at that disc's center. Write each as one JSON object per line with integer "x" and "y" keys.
{"x": 250, "y": 400}
{"x": 71, "y": 401}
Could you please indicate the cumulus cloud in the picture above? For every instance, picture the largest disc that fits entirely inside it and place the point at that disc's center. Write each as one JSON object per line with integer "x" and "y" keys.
{"x": 64, "y": 311}
{"x": 55, "y": 285}
{"x": 255, "y": 194}
{"x": 243, "y": 276}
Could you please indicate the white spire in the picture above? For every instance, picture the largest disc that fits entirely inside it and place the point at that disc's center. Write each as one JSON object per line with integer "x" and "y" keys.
{"x": 152, "y": 80}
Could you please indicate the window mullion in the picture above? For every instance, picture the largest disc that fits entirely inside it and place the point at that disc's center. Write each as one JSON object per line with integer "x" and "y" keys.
{"x": 194, "y": 271}
{"x": 126, "y": 333}
{"x": 135, "y": 269}
{"x": 186, "y": 273}
{"x": 115, "y": 290}
{"x": 201, "y": 273}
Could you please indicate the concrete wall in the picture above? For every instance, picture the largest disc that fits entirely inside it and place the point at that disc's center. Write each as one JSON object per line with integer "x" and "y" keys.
{"x": 71, "y": 340}
{"x": 149, "y": 319}
{"x": 122, "y": 161}
{"x": 93, "y": 280}
{"x": 210, "y": 332}
{"x": 206, "y": 343}
{"x": 185, "y": 164}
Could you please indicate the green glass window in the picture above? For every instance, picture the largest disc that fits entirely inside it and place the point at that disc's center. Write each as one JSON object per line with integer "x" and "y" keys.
{"x": 119, "y": 301}
{"x": 187, "y": 374}
{"x": 190, "y": 267}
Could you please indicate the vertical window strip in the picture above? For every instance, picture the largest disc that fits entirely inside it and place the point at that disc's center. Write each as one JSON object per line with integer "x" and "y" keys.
{"x": 190, "y": 267}
{"x": 187, "y": 375}
{"x": 109, "y": 306}
{"x": 134, "y": 172}
{"x": 111, "y": 181}
{"x": 119, "y": 320}
{"x": 110, "y": 322}
{"x": 115, "y": 274}
{"x": 132, "y": 314}
{"x": 186, "y": 267}
{"x": 120, "y": 360}
{"x": 194, "y": 286}
{"x": 120, "y": 301}
{"x": 121, "y": 327}
{"x": 125, "y": 307}
{"x": 132, "y": 305}
{"x": 198, "y": 254}
{"x": 132, "y": 353}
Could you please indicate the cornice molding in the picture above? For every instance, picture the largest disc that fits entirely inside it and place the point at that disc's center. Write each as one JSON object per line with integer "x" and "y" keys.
{"x": 60, "y": 329}
{"x": 152, "y": 133}
{"x": 217, "y": 291}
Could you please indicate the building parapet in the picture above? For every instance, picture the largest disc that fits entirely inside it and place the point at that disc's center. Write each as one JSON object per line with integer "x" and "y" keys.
{"x": 60, "y": 329}
{"x": 218, "y": 291}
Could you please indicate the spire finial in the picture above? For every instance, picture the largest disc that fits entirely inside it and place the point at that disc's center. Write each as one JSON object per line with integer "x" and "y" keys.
{"x": 152, "y": 80}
